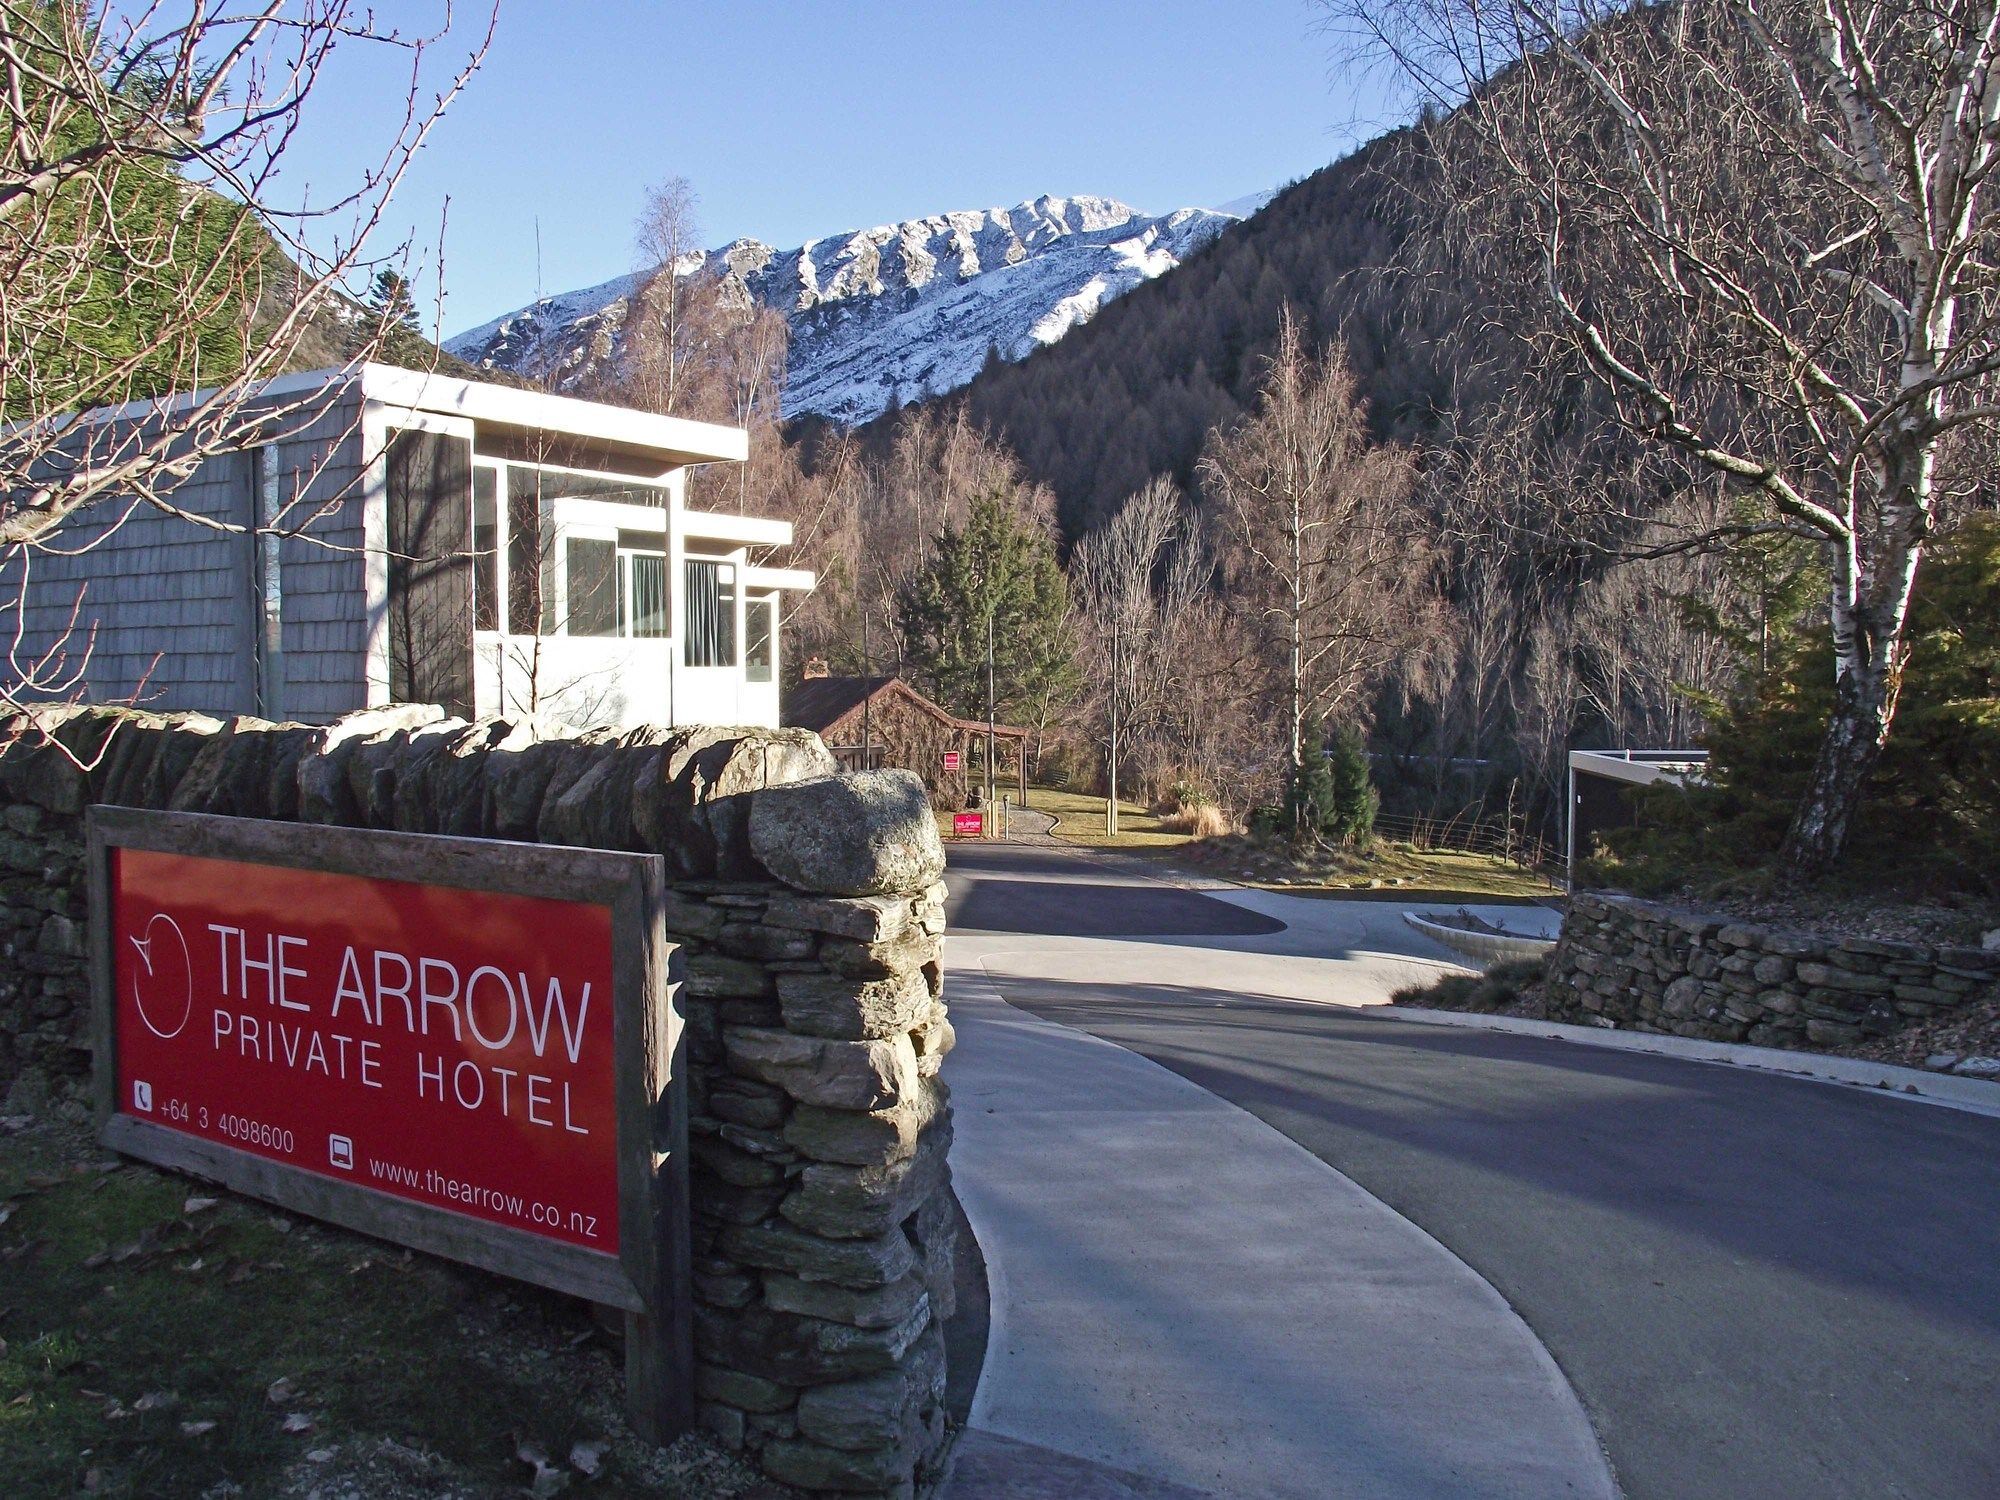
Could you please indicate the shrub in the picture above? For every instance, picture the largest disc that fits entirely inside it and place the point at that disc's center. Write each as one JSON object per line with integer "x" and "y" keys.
{"x": 1499, "y": 987}
{"x": 1202, "y": 820}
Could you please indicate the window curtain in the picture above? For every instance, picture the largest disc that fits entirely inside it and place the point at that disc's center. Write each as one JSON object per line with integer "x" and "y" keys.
{"x": 704, "y": 615}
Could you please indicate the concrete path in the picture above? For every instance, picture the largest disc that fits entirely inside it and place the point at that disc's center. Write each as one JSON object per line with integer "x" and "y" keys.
{"x": 1184, "y": 1297}
{"x": 1144, "y": 930}
{"x": 1759, "y": 1286}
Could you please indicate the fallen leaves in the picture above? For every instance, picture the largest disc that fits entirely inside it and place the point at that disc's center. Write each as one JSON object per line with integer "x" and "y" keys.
{"x": 197, "y": 1429}
{"x": 280, "y": 1391}
{"x": 199, "y": 1205}
{"x": 299, "y": 1421}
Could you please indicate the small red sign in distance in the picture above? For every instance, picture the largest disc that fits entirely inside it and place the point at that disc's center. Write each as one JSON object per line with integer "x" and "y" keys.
{"x": 448, "y": 1046}
{"x": 953, "y": 760}
{"x": 968, "y": 824}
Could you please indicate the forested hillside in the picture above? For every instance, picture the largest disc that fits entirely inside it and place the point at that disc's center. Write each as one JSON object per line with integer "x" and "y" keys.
{"x": 1136, "y": 392}
{"x": 1665, "y": 408}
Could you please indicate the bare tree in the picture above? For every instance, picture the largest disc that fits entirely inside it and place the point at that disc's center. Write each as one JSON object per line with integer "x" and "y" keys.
{"x": 1112, "y": 571}
{"x": 150, "y": 245}
{"x": 1326, "y": 559}
{"x": 1766, "y": 226}
{"x": 665, "y": 340}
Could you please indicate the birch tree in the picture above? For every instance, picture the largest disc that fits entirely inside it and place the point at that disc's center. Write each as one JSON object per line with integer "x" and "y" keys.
{"x": 664, "y": 345}
{"x": 1768, "y": 228}
{"x": 1326, "y": 563}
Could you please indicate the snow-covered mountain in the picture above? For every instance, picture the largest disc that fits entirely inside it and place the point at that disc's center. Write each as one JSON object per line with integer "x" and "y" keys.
{"x": 892, "y": 313}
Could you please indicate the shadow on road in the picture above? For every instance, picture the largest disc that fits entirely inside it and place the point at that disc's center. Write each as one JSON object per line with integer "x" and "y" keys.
{"x": 1759, "y": 1285}
{"x": 1055, "y": 909}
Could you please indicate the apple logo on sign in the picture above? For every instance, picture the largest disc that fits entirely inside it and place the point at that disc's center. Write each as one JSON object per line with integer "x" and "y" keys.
{"x": 163, "y": 979}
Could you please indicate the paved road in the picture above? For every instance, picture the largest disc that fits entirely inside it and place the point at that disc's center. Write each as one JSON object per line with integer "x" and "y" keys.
{"x": 1759, "y": 1286}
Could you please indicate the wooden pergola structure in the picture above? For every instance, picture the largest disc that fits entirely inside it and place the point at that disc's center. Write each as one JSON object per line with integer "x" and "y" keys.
{"x": 871, "y": 722}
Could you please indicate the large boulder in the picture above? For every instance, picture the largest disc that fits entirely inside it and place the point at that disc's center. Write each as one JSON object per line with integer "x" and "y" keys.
{"x": 867, "y": 833}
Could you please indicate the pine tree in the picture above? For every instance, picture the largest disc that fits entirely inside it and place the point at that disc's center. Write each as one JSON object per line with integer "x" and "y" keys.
{"x": 1000, "y": 569}
{"x": 1309, "y": 792}
{"x": 394, "y": 305}
{"x": 1354, "y": 799}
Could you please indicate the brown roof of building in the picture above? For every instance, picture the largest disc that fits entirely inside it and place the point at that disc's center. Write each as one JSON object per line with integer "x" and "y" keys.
{"x": 822, "y": 704}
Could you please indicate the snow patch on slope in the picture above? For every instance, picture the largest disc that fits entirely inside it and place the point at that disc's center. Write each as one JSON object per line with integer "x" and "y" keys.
{"x": 892, "y": 313}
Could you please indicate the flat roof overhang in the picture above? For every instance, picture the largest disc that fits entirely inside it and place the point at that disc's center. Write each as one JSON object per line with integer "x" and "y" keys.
{"x": 1639, "y": 767}
{"x": 664, "y": 442}
{"x": 669, "y": 441}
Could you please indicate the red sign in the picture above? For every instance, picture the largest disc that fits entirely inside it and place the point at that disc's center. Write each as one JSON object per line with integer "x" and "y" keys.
{"x": 447, "y": 1046}
{"x": 953, "y": 760}
{"x": 968, "y": 824}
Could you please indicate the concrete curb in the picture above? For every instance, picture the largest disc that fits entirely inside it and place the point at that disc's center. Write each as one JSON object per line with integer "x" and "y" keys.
{"x": 1971, "y": 1095}
{"x": 1487, "y": 947}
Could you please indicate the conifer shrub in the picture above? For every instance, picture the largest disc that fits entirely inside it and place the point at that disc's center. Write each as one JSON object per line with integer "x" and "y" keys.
{"x": 1333, "y": 796}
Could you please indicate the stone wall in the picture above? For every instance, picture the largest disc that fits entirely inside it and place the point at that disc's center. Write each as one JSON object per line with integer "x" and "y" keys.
{"x": 810, "y": 912}
{"x": 1647, "y": 967}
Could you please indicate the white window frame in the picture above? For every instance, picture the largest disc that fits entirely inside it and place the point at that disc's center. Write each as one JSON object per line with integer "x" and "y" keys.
{"x": 581, "y": 518}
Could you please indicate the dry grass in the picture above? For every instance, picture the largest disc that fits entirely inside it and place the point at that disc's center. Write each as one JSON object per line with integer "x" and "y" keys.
{"x": 1203, "y": 820}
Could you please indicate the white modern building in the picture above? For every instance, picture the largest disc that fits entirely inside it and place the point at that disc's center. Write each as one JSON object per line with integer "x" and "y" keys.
{"x": 397, "y": 536}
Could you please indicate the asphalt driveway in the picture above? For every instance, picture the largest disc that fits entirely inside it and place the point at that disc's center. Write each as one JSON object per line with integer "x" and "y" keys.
{"x": 1759, "y": 1286}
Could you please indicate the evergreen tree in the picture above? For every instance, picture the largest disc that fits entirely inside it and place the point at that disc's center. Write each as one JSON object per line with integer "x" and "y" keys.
{"x": 1332, "y": 795}
{"x": 1309, "y": 790}
{"x": 394, "y": 306}
{"x": 1931, "y": 815}
{"x": 1000, "y": 569}
{"x": 1353, "y": 799}
{"x": 112, "y": 258}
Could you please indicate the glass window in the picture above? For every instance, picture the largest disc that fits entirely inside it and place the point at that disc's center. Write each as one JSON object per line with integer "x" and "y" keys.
{"x": 555, "y": 484}
{"x": 760, "y": 646}
{"x": 485, "y": 548}
{"x": 711, "y": 614}
{"x": 592, "y": 592}
{"x": 527, "y": 555}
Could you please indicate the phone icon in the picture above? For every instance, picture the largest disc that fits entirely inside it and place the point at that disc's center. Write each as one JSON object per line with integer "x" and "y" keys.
{"x": 142, "y": 1096}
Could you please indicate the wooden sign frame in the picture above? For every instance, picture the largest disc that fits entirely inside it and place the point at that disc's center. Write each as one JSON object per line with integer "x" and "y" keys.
{"x": 648, "y": 1278}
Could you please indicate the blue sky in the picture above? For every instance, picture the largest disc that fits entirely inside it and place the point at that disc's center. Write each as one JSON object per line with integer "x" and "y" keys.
{"x": 808, "y": 118}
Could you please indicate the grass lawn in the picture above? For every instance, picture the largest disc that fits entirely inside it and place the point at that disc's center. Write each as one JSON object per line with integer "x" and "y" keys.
{"x": 1401, "y": 873}
{"x": 1387, "y": 872}
{"x": 162, "y": 1338}
{"x": 1080, "y": 819}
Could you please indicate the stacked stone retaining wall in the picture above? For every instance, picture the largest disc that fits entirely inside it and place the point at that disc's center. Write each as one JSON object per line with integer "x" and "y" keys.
{"x": 1649, "y": 967}
{"x": 823, "y": 1226}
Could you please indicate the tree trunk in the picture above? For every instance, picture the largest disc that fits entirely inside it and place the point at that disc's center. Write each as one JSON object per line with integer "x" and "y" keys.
{"x": 1855, "y": 733}
{"x": 1298, "y": 690}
